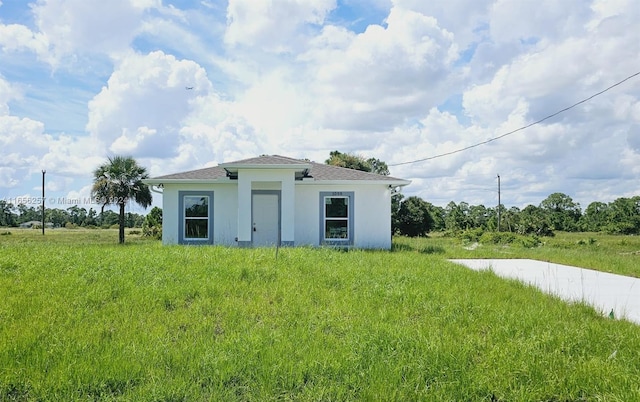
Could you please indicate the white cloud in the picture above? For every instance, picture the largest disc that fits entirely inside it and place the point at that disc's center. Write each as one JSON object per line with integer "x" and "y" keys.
{"x": 8, "y": 177}
{"x": 376, "y": 79}
{"x": 275, "y": 103}
{"x": 27, "y": 149}
{"x": 273, "y": 24}
{"x": 146, "y": 94}
{"x": 15, "y": 37}
{"x": 92, "y": 26}
{"x": 135, "y": 143}
{"x": 465, "y": 19}
{"x": 7, "y": 93}
{"x": 536, "y": 20}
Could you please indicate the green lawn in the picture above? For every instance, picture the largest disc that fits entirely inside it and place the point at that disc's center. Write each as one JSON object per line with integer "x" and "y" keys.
{"x": 82, "y": 318}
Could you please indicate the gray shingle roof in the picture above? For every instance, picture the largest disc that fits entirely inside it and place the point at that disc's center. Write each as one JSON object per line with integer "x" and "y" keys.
{"x": 318, "y": 171}
{"x": 211, "y": 173}
{"x": 267, "y": 160}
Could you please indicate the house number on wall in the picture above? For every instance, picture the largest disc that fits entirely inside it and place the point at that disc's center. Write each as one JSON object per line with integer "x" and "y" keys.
{"x": 336, "y": 193}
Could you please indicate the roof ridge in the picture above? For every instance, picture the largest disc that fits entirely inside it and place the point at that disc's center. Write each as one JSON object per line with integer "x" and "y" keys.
{"x": 285, "y": 157}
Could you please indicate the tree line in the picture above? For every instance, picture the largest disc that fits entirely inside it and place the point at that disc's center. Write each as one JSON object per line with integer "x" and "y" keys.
{"x": 414, "y": 216}
{"x": 75, "y": 216}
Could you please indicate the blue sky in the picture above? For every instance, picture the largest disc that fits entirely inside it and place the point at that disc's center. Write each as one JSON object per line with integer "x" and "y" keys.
{"x": 399, "y": 80}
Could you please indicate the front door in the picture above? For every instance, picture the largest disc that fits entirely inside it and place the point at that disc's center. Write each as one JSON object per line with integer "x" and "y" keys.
{"x": 266, "y": 219}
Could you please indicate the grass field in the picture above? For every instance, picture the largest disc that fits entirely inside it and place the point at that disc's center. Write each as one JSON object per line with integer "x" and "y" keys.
{"x": 82, "y": 318}
{"x": 608, "y": 253}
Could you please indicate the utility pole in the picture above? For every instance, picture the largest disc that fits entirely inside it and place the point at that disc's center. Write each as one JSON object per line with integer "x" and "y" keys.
{"x": 499, "y": 203}
{"x": 43, "y": 172}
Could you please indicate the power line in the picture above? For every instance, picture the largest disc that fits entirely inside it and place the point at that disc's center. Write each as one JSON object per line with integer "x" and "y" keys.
{"x": 518, "y": 129}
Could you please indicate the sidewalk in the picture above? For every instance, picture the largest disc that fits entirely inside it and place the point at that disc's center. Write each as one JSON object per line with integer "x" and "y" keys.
{"x": 603, "y": 291}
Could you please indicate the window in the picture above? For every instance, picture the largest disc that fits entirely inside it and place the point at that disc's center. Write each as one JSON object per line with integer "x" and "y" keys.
{"x": 196, "y": 217}
{"x": 336, "y": 218}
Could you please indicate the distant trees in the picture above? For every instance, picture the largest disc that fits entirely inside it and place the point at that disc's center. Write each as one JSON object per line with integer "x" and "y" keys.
{"x": 413, "y": 217}
{"x": 624, "y": 216}
{"x": 595, "y": 217}
{"x": 557, "y": 212}
{"x": 152, "y": 225}
{"x": 7, "y": 215}
{"x": 351, "y": 161}
{"x": 563, "y": 214}
{"x": 118, "y": 182}
{"x": 74, "y": 216}
{"x": 533, "y": 220}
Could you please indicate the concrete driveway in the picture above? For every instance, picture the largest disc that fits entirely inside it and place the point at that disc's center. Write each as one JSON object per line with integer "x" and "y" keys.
{"x": 603, "y": 291}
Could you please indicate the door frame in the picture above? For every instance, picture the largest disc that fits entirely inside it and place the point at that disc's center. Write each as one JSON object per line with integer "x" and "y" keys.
{"x": 277, "y": 193}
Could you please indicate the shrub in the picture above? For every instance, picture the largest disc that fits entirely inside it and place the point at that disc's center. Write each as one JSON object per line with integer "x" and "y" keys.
{"x": 591, "y": 241}
{"x": 471, "y": 235}
{"x": 497, "y": 238}
{"x": 431, "y": 249}
{"x": 5, "y": 233}
{"x": 152, "y": 226}
{"x": 530, "y": 241}
{"x": 70, "y": 225}
{"x": 152, "y": 231}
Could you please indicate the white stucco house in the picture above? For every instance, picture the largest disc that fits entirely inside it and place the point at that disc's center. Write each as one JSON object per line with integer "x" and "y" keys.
{"x": 276, "y": 200}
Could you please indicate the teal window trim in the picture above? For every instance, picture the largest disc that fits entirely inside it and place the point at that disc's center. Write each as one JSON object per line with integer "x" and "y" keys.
{"x": 181, "y": 217}
{"x": 349, "y": 195}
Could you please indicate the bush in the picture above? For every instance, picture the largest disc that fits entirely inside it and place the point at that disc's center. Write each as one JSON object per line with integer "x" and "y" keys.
{"x": 152, "y": 226}
{"x": 497, "y": 238}
{"x": 530, "y": 241}
{"x": 152, "y": 231}
{"x": 451, "y": 233}
{"x": 431, "y": 249}
{"x": 5, "y": 233}
{"x": 70, "y": 225}
{"x": 591, "y": 241}
{"x": 471, "y": 235}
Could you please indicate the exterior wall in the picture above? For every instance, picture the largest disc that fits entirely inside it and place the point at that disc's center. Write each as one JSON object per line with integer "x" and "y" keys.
{"x": 372, "y": 214}
{"x": 300, "y": 212}
{"x": 225, "y": 211}
{"x": 170, "y": 214}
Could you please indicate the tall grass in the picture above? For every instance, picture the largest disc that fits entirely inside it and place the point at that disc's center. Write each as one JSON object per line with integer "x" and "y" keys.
{"x": 81, "y": 321}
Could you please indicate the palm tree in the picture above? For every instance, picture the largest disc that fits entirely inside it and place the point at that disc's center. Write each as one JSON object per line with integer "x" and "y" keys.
{"x": 118, "y": 181}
